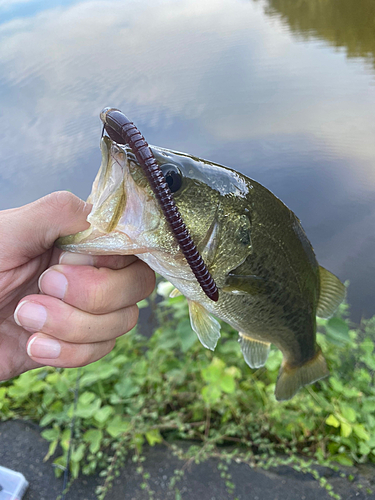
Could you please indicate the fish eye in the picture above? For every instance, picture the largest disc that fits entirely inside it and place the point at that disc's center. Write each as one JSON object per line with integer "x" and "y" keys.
{"x": 173, "y": 176}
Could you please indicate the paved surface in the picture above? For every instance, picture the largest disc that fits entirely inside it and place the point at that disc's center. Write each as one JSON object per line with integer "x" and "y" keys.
{"x": 23, "y": 449}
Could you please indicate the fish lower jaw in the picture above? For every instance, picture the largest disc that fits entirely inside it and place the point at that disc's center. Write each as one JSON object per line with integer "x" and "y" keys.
{"x": 175, "y": 270}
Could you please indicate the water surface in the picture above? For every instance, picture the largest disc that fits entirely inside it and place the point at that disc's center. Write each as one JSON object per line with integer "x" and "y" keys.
{"x": 280, "y": 90}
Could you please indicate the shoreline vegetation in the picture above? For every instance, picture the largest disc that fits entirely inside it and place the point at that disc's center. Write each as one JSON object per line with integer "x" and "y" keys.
{"x": 168, "y": 388}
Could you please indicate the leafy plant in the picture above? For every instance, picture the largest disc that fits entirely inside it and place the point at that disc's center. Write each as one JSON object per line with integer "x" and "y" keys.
{"x": 168, "y": 387}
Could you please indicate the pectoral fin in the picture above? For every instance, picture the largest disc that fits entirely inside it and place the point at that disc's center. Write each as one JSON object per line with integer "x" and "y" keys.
{"x": 254, "y": 351}
{"x": 205, "y": 326}
{"x": 244, "y": 284}
{"x": 332, "y": 293}
{"x": 208, "y": 247}
{"x": 175, "y": 293}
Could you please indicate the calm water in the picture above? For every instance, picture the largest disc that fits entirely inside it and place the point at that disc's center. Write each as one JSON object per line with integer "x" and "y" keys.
{"x": 282, "y": 91}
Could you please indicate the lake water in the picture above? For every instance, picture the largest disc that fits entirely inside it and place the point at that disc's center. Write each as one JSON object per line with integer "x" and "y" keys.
{"x": 283, "y": 91}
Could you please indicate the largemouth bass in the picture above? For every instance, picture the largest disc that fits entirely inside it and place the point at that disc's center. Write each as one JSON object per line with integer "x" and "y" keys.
{"x": 271, "y": 287}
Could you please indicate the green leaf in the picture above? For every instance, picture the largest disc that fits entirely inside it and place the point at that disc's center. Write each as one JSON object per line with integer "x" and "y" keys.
{"x": 153, "y": 437}
{"x": 138, "y": 440}
{"x": 361, "y": 432}
{"x": 62, "y": 387}
{"x": 332, "y": 421}
{"x": 346, "y": 429}
{"x": 367, "y": 345}
{"x": 48, "y": 397}
{"x": 103, "y": 414}
{"x": 348, "y": 413}
{"x": 51, "y": 450}
{"x": 187, "y": 336}
{"x": 65, "y": 439}
{"x": 274, "y": 360}
{"x": 38, "y": 386}
{"x": 337, "y": 331}
{"x": 211, "y": 394}
{"x": 368, "y": 406}
{"x": 227, "y": 383}
{"x": 126, "y": 388}
{"x": 61, "y": 463}
{"x": 89, "y": 378}
{"x": 142, "y": 304}
{"x": 94, "y": 437}
{"x": 107, "y": 371}
{"x": 86, "y": 398}
{"x": 343, "y": 459}
{"x": 74, "y": 467}
{"x": 336, "y": 384}
{"x": 78, "y": 453}
{"x": 88, "y": 411}
{"x": 214, "y": 371}
{"x": 47, "y": 419}
{"x": 119, "y": 360}
{"x": 230, "y": 347}
{"x": 51, "y": 434}
{"x": 117, "y": 426}
{"x": 364, "y": 448}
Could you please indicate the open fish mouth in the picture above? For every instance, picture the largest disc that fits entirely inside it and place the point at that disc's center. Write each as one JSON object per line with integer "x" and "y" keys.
{"x": 125, "y": 214}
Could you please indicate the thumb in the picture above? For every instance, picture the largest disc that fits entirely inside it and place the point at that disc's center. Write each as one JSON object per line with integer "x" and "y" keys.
{"x": 32, "y": 229}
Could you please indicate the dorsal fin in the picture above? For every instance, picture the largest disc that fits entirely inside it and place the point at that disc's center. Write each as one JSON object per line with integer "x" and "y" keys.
{"x": 332, "y": 293}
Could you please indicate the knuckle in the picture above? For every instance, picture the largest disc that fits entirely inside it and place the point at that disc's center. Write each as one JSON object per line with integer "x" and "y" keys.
{"x": 132, "y": 318}
{"x": 72, "y": 325}
{"x": 95, "y": 352}
{"x": 147, "y": 280}
{"x": 98, "y": 296}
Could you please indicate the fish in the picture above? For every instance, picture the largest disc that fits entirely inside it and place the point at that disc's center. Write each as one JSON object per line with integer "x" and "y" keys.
{"x": 271, "y": 287}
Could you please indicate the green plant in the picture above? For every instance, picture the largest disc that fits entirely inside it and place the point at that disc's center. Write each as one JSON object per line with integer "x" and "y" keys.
{"x": 168, "y": 387}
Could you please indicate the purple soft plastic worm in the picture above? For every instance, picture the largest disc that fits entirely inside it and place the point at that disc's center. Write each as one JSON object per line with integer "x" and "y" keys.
{"x": 123, "y": 131}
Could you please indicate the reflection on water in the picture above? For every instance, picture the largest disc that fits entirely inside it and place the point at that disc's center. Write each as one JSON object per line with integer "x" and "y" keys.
{"x": 341, "y": 23}
{"x": 224, "y": 80}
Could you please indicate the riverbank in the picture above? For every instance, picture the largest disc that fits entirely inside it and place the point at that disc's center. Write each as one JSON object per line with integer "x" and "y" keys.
{"x": 22, "y": 448}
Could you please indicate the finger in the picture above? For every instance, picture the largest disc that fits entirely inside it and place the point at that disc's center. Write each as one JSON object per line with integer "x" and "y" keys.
{"x": 100, "y": 290}
{"x": 58, "y": 214}
{"x": 42, "y": 313}
{"x": 46, "y": 350}
{"x": 110, "y": 261}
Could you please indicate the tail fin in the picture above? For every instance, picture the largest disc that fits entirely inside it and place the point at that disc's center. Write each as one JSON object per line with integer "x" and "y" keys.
{"x": 291, "y": 379}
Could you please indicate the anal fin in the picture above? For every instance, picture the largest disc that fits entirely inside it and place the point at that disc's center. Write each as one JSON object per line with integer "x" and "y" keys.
{"x": 205, "y": 326}
{"x": 291, "y": 379}
{"x": 254, "y": 351}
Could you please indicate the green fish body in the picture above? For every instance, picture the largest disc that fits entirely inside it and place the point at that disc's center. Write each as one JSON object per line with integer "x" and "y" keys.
{"x": 271, "y": 287}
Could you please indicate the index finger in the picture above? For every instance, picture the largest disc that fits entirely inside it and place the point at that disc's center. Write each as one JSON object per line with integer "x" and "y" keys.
{"x": 98, "y": 290}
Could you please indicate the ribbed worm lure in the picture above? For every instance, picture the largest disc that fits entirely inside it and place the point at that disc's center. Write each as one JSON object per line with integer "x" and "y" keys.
{"x": 121, "y": 130}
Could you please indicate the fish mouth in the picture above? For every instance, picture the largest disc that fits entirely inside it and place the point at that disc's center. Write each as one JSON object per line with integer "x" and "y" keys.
{"x": 124, "y": 215}
{"x": 122, "y": 201}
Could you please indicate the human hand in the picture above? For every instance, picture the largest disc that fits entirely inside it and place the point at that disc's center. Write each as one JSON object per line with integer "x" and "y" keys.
{"x": 85, "y": 301}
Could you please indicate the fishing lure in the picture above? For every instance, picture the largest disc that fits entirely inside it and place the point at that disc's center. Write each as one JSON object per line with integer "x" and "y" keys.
{"x": 121, "y": 130}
